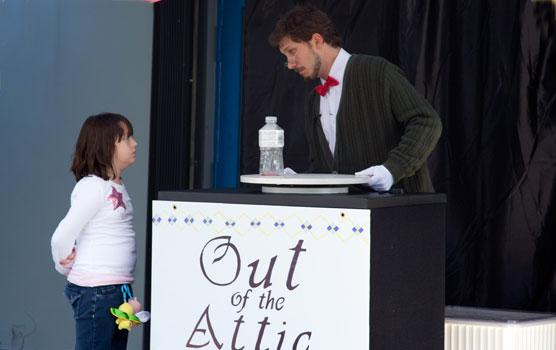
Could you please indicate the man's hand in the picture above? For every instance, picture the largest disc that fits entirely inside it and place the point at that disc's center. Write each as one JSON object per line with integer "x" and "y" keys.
{"x": 289, "y": 171}
{"x": 381, "y": 179}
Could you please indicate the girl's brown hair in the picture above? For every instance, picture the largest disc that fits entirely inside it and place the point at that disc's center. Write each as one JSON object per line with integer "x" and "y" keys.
{"x": 300, "y": 23}
{"x": 94, "y": 151}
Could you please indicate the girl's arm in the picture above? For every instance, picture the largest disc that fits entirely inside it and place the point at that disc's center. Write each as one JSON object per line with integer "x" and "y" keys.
{"x": 87, "y": 199}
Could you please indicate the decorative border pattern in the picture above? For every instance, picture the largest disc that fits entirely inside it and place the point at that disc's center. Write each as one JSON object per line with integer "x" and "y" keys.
{"x": 319, "y": 226}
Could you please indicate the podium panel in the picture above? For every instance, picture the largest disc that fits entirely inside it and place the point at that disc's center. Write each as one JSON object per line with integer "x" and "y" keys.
{"x": 233, "y": 270}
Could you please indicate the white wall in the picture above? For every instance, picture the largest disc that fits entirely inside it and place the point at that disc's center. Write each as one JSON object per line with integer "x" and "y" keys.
{"x": 61, "y": 61}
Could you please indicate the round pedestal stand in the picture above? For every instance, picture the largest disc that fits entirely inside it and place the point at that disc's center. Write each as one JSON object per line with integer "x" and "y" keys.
{"x": 305, "y": 183}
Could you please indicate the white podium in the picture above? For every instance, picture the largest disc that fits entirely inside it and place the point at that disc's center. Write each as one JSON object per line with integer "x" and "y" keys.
{"x": 247, "y": 270}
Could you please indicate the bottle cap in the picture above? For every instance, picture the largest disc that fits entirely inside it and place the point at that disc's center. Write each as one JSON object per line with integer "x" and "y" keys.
{"x": 270, "y": 119}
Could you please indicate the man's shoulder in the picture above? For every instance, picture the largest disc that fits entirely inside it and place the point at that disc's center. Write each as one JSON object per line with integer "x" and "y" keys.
{"x": 374, "y": 65}
{"x": 368, "y": 59}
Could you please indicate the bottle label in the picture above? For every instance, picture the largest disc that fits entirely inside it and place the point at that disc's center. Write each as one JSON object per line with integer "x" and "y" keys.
{"x": 271, "y": 138}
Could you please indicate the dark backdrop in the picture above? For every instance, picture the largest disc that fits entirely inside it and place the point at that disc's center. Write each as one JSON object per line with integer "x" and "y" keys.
{"x": 488, "y": 67}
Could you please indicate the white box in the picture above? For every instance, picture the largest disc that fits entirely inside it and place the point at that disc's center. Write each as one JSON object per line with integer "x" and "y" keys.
{"x": 488, "y": 329}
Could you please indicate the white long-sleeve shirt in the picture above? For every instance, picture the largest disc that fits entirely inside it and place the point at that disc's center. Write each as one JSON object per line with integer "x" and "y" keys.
{"x": 99, "y": 226}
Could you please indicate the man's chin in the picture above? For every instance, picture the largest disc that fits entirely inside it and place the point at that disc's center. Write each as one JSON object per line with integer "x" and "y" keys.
{"x": 307, "y": 77}
{"x": 311, "y": 77}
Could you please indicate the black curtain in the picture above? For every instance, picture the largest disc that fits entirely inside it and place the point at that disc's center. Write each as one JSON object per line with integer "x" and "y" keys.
{"x": 488, "y": 67}
{"x": 171, "y": 113}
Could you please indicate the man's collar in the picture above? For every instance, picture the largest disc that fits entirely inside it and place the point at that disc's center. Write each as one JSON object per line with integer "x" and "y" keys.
{"x": 339, "y": 66}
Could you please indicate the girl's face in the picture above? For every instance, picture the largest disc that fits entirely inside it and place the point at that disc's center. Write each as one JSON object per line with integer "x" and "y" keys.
{"x": 124, "y": 154}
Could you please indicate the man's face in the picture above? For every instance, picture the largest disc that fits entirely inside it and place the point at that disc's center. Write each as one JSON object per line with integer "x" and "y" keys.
{"x": 301, "y": 57}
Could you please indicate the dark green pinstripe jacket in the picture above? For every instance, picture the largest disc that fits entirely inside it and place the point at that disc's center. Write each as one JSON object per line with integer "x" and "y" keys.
{"x": 382, "y": 119}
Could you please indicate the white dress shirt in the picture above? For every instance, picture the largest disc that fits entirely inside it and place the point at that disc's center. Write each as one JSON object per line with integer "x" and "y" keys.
{"x": 330, "y": 102}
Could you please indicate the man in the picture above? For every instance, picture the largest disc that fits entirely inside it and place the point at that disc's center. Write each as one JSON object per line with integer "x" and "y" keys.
{"x": 366, "y": 118}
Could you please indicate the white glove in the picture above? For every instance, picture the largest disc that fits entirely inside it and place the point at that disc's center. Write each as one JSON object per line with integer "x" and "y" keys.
{"x": 289, "y": 171}
{"x": 381, "y": 179}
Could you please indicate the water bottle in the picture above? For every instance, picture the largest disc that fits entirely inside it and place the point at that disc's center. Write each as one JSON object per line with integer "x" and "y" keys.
{"x": 271, "y": 144}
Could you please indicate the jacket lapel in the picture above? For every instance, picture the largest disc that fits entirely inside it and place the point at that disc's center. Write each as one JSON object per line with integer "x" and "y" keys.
{"x": 323, "y": 144}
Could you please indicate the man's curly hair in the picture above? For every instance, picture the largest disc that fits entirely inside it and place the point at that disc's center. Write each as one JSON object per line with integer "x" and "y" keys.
{"x": 300, "y": 23}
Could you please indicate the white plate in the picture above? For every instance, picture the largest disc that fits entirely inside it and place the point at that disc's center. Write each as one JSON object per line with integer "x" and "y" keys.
{"x": 305, "y": 183}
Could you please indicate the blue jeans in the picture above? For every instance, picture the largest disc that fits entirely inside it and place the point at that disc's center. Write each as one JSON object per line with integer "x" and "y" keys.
{"x": 95, "y": 326}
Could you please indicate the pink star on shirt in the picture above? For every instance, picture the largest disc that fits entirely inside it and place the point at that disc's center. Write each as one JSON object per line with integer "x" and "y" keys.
{"x": 116, "y": 198}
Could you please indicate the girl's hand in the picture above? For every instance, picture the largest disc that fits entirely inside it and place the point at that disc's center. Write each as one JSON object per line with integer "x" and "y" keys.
{"x": 69, "y": 259}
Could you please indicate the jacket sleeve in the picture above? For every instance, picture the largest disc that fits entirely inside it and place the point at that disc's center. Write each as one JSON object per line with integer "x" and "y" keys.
{"x": 87, "y": 199}
{"x": 421, "y": 125}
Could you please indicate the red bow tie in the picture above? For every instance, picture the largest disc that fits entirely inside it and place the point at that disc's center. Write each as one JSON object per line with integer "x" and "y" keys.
{"x": 321, "y": 89}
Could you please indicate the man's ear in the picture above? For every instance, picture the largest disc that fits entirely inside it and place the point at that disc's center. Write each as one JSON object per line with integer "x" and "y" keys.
{"x": 317, "y": 40}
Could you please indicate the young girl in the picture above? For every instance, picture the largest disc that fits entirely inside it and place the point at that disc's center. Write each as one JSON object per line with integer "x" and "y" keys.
{"x": 94, "y": 245}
